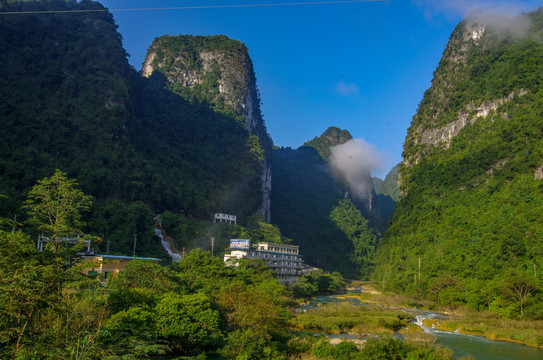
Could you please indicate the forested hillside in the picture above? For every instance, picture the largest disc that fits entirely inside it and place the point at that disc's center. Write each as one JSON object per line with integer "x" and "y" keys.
{"x": 218, "y": 72}
{"x": 388, "y": 186}
{"x": 69, "y": 100}
{"x": 314, "y": 207}
{"x": 468, "y": 228}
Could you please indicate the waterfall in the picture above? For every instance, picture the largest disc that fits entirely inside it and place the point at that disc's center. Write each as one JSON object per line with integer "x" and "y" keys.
{"x": 166, "y": 245}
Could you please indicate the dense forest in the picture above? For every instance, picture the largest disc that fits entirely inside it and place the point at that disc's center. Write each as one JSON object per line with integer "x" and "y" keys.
{"x": 467, "y": 230}
{"x": 314, "y": 207}
{"x": 198, "y": 307}
{"x": 70, "y": 101}
{"x": 195, "y": 309}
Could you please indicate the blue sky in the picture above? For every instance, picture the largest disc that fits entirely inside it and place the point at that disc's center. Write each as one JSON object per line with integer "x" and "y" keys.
{"x": 360, "y": 66}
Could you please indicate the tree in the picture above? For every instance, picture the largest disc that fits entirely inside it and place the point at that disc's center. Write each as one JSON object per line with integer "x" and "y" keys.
{"x": 189, "y": 322}
{"x": 56, "y": 205}
{"x": 259, "y": 306}
{"x": 39, "y": 313}
{"x": 519, "y": 288}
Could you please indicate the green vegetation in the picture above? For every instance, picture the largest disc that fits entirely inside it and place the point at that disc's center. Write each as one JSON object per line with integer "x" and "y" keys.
{"x": 55, "y": 205}
{"x": 70, "y": 101}
{"x": 309, "y": 206}
{"x": 518, "y": 331}
{"x": 211, "y": 62}
{"x": 183, "y": 52}
{"x": 345, "y": 318}
{"x": 51, "y": 310}
{"x": 187, "y": 309}
{"x": 195, "y": 307}
{"x": 467, "y": 233}
{"x": 468, "y": 230}
{"x": 304, "y": 194}
{"x": 389, "y": 186}
{"x": 372, "y": 349}
{"x": 318, "y": 282}
{"x": 191, "y": 234}
{"x": 351, "y": 222}
{"x": 331, "y": 137}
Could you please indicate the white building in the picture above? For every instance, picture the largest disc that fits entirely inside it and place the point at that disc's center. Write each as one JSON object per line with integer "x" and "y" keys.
{"x": 231, "y": 219}
{"x": 285, "y": 260}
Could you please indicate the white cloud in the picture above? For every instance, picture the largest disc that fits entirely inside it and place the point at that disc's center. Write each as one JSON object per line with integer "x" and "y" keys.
{"x": 501, "y": 16}
{"x": 433, "y": 8}
{"x": 354, "y": 161}
{"x": 345, "y": 89}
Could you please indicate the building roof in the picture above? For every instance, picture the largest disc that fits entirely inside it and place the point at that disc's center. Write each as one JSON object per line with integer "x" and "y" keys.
{"x": 265, "y": 251}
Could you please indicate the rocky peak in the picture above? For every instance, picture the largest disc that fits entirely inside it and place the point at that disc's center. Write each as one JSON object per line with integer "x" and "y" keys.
{"x": 445, "y": 109}
{"x": 216, "y": 70}
{"x": 331, "y": 137}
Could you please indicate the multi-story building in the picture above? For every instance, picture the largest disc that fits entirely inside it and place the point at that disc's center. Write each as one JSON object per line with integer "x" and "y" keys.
{"x": 220, "y": 217}
{"x": 283, "y": 259}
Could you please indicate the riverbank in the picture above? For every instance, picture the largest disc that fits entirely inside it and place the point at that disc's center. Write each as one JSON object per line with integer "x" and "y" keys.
{"x": 341, "y": 326}
{"x": 362, "y": 313}
{"x": 524, "y": 332}
{"x": 462, "y": 320}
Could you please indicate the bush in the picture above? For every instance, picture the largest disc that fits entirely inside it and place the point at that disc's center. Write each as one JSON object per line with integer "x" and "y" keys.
{"x": 345, "y": 350}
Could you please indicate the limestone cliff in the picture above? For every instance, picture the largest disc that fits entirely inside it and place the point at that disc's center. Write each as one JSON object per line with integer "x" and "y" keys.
{"x": 464, "y": 88}
{"x": 218, "y": 71}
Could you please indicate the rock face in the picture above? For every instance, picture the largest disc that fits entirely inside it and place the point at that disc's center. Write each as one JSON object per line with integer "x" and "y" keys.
{"x": 218, "y": 71}
{"x": 429, "y": 126}
{"x": 457, "y": 98}
{"x": 442, "y": 136}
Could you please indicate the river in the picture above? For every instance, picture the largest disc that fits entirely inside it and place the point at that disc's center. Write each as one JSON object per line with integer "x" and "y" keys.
{"x": 462, "y": 344}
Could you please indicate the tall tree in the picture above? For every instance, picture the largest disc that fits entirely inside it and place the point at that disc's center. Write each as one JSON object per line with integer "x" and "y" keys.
{"x": 56, "y": 205}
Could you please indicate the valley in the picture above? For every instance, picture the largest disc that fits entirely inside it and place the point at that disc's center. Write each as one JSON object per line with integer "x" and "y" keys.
{"x": 140, "y": 162}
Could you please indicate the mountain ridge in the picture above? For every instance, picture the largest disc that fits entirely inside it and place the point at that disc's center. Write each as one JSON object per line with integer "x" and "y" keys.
{"x": 465, "y": 229}
{"x": 72, "y": 102}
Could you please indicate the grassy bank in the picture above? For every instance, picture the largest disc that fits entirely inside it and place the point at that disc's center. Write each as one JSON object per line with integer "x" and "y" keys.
{"x": 519, "y": 331}
{"x": 488, "y": 325}
{"x": 373, "y": 328}
{"x": 347, "y": 318}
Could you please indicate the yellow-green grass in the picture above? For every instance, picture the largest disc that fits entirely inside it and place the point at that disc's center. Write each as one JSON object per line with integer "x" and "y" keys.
{"x": 352, "y": 319}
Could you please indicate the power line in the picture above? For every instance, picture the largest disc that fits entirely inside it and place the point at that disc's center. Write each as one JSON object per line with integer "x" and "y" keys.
{"x": 188, "y": 7}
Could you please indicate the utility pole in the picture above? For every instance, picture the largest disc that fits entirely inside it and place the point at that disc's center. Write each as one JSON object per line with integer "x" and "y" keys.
{"x": 212, "y": 245}
{"x": 135, "y": 239}
{"x": 419, "y": 268}
{"x": 107, "y": 249}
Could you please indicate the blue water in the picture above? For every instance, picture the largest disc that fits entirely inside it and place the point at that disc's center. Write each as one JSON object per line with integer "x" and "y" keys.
{"x": 481, "y": 348}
